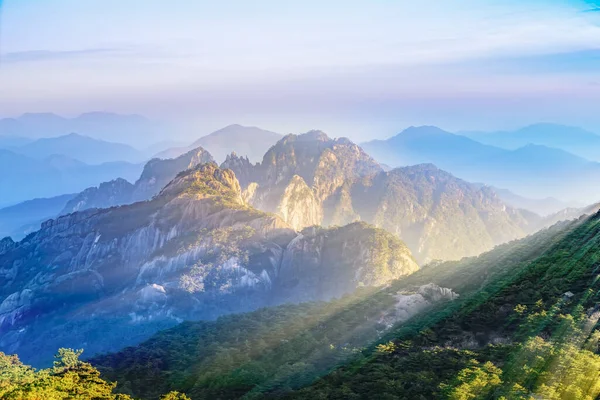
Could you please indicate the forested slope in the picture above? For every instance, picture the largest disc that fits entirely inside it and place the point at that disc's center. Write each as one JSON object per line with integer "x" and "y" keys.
{"x": 387, "y": 338}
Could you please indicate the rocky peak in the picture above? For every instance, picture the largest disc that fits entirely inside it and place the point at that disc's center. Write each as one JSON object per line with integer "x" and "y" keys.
{"x": 6, "y": 245}
{"x": 107, "y": 194}
{"x": 204, "y": 181}
{"x": 313, "y": 153}
{"x": 157, "y": 173}
{"x": 314, "y": 135}
{"x": 302, "y": 172}
{"x": 244, "y": 170}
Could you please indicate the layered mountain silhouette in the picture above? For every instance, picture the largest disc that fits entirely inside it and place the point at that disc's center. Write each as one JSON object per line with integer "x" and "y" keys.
{"x": 532, "y": 171}
{"x": 83, "y": 148}
{"x": 541, "y": 206}
{"x": 155, "y": 175}
{"x": 311, "y": 179}
{"x": 575, "y": 140}
{"x": 21, "y": 219}
{"x": 26, "y": 178}
{"x": 105, "y": 278}
{"x": 247, "y": 141}
{"x": 133, "y": 129}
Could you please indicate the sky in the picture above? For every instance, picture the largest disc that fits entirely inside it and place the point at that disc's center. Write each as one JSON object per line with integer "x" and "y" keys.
{"x": 362, "y": 69}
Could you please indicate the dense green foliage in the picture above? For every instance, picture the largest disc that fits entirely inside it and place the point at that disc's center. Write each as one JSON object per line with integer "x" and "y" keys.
{"x": 69, "y": 378}
{"x": 274, "y": 351}
{"x": 524, "y": 327}
{"x": 523, "y": 336}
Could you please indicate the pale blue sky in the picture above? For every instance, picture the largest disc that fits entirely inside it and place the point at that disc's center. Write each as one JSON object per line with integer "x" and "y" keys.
{"x": 351, "y": 67}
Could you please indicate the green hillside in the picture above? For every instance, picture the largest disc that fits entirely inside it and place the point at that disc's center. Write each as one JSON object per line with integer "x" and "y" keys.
{"x": 510, "y": 306}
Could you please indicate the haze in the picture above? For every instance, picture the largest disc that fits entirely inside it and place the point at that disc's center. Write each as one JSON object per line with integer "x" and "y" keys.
{"x": 350, "y": 68}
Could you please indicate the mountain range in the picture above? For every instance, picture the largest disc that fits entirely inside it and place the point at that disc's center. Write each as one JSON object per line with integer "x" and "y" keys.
{"x": 311, "y": 179}
{"x": 133, "y": 129}
{"x": 83, "y": 148}
{"x": 19, "y": 220}
{"x": 157, "y": 173}
{"x": 24, "y": 178}
{"x": 542, "y": 206}
{"x": 532, "y": 171}
{"x": 314, "y": 273}
{"x": 517, "y": 322}
{"x": 569, "y": 138}
{"x": 105, "y": 278}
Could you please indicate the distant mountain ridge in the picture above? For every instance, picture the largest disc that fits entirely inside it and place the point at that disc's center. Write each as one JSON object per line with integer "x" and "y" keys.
{"x": 543, "y": 207}
{"x": 248, "y": 141}
{"x": 130, "y": 129}
{"x": 21, "y": 219}
{"x": 24, "y": 178}
{"x": 575, "y": 140}
{"x": 155, "y": 175}
{"x": 311, "y": 179}
{"x": 532, "y": 170}
{"x": 83, "y": 148}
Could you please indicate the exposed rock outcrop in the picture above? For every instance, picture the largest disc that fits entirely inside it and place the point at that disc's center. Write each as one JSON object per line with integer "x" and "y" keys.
{"x": 301, "y": 173}
{"x": 107, "y": 194}
{"x": 311, "y": 180}
{"x": 156, "y": 174}
{"x": 195, "y": 251}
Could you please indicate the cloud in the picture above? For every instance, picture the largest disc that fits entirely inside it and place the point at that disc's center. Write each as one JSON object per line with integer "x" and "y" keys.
{"x": 592, "y": 10}
{"x": 44, "y": 55}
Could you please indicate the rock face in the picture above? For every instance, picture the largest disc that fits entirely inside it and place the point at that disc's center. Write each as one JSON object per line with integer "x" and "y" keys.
{"x": 103, "y": 279}
{"x": 156, "y": 174}
{"x": 436, "y": 214}
{"x": 107, "y": 194}
{"x": 410, "y": 303}
{"x": 311, "y": 180}
{"x": 301, "y": 176}
{"x": 323, "y": 263}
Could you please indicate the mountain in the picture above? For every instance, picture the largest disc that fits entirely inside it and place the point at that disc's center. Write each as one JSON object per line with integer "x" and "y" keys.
{"x": 8, "y": 142}
{"x": 24, "y": 178}
{"x": 569, "y": 213}
{"x": 132, "y": 129}
{"x": 247, "y": 141}
{"x": 531, "y": 333}
{"x": 543, "y": 207}
{"x": 533, "y": 170}
{"x": 21, "y": 219}
{"x": 428, "y": 335}
{"x": 155, "y": 175}
{"x": 108, "y": 194}
{"x": 102, "y": 279}
{"x": 86, "y": 149}
{"x": 569, "y": 138}
{"x": 311, "y": 179}
{"x": 161, "y": 146}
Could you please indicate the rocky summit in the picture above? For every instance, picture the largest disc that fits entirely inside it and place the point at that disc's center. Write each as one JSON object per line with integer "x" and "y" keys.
{"x": 311, "y": 179}
{"x": 105, "y": 278}
{"x": 156, "y": 174}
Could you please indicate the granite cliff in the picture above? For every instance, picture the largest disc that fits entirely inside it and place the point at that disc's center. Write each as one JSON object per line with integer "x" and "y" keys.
{"x": 101, "y": 279}
{"x": 311, "y": 179}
